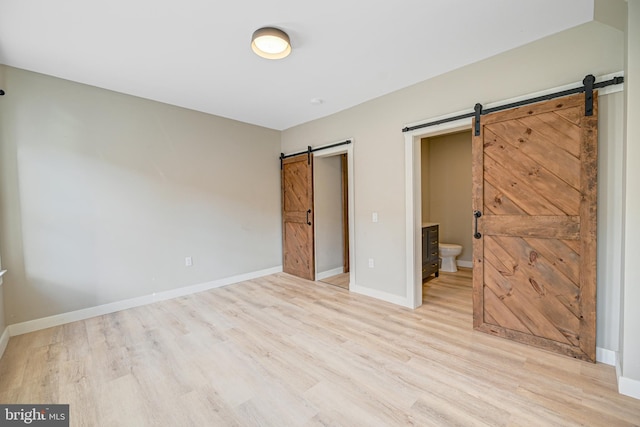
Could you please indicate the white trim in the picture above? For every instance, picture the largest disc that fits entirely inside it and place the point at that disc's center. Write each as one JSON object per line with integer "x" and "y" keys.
{"x": 4, "y": 340}
{"x": 465, "y": 264}
{"x": 413, "y": 196}
{"x": 333, "y": 151}
{"x": 329, "y": 273}
{"x": 384, "y": 296}
{"x": 86, "y": 313}
{"x": 348, "y": 149}
{"x": 629, "y": 387}
{"x": 608, "y": 357}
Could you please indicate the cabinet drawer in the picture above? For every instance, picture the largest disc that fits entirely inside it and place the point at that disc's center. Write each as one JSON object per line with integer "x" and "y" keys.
{"x": 429, "y": 269}
{"x": 430, "y": 254}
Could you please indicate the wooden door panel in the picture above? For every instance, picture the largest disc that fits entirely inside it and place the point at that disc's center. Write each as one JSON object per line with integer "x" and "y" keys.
{"x": 544, "y": 226}
{"x": 556, "y": 191}
{"x": 534, "y": 180}
{"x": 497, "y": 313}
{"x": 516, "y": 189}
{"x": 540, "y": 146}
{"x": 496, "y": 202}
{"x": 298, "y": 254}
{"x": 569, "y": 131}
{"x": 575, "y": 245}
{"x": 344, "y": 172}
{"x": 565, "y": 259}
{"x": 531, "y": 275}
{"x": 526, "y": 290}
{"x": 572, "y": 115}
{"x": 296, "y": 194}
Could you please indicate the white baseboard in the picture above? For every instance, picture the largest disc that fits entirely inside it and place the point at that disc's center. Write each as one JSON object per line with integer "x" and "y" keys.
{"x": 86, "y": 313}
{"x": 384, "y": 296}
{"x": 4, "y": 340}
{"x": 608, "y": 357}
{"x": 627, "y": 386}
{"x": 329, "y": 273}
{"x": 466, "y": 264}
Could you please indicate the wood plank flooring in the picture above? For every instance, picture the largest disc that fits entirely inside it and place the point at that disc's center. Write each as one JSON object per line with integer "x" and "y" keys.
{"x": 281, "y": 351}
{"x": 340, "y": 280}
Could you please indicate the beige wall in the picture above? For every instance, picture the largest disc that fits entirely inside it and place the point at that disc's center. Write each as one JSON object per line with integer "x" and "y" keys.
{"x": 103, "y": 196}
{"x": 424, "y": 178}
{"x": 328, "y": 212}
{"x": 379, "y": 150}
{"x": 3, "y": 325}
{"x": 609, "y": 233}
{"x": 2, "y": 317}
{"x": 449, "y": 190}
{"x": 630, "y": 351}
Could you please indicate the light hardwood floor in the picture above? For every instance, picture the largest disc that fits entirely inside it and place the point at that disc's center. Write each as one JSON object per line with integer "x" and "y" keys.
{"x": 341, "y": 280}
{"x": 279, "y": 351}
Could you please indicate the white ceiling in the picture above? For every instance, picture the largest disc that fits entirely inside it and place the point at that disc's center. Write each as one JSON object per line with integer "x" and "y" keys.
{"x": 196, "y": 53}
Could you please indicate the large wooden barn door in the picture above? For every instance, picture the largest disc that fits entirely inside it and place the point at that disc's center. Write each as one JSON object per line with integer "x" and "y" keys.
{"x": 298, "y": 249}
{"x": 534, "y": 188}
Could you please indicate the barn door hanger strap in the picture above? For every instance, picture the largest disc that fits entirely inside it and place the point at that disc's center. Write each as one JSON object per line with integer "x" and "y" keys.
{"x": 588, "y": 82}
{"x": 589, "y": 85}
{"x": 478, "y": 113}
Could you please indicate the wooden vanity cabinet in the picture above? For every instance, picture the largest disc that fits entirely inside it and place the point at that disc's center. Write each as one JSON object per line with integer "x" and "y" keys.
{"x": 430, "y": 259}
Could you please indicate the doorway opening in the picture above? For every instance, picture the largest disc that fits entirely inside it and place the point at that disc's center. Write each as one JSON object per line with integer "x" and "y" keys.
{"x": 446, "y": 184}
{"x": 299, "y": 228}
{"x": 332, "y": 215}
{"x": 414, "y": 203}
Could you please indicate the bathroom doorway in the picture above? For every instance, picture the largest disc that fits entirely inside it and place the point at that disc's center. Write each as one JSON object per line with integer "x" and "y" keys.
{"x": 413, "y": 200}
{"x": 446, "y": 190}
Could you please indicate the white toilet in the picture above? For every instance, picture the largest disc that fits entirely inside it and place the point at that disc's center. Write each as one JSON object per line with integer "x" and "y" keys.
{"x": 448, "y": 253}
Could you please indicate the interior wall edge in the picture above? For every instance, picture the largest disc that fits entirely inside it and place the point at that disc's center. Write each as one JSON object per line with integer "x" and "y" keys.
{"x": 4, "y": 340}
{"x": 381, "y": 295}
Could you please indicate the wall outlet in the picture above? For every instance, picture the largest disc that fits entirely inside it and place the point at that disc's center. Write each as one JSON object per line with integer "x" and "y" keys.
{"x": 370, "y": 262}
{"x": 188, "y": 262}
{"x": 374, "y": 217}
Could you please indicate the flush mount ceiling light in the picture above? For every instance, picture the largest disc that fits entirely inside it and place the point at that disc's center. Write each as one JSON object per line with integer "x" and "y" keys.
{"x": 271, "y": 43}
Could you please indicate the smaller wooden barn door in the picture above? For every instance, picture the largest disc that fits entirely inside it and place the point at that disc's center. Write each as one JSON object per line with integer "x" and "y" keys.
{"x": 534, "y": 182}
{"x": 298, "y": 248}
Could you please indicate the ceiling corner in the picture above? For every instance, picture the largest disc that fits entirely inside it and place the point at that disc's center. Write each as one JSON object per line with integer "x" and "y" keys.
{"x": 611, "y": 12}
